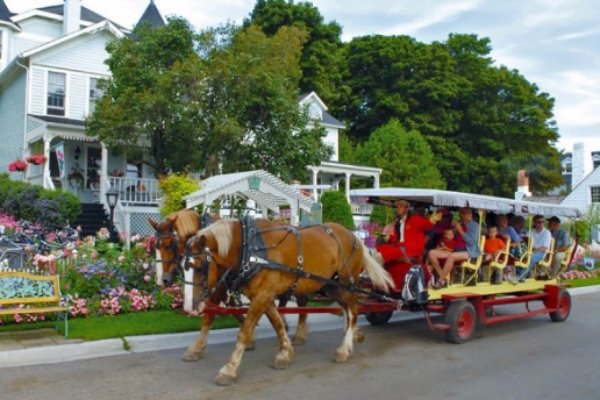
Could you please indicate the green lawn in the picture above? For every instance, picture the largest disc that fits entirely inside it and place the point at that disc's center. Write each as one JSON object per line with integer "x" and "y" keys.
{"x": 584, "y": 282}
{"x": 115, "y": 326}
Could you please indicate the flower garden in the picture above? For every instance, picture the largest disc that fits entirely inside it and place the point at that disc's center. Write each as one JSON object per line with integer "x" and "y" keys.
{"x": 97, "y": 277}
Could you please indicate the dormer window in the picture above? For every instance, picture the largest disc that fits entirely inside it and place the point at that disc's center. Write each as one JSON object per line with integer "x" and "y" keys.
{"x": 56, "y": 93}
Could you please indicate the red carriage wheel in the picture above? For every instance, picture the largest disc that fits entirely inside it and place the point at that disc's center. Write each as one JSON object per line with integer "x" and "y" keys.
{"x": 462, "y": 318}
{"x": 564, "y": 307}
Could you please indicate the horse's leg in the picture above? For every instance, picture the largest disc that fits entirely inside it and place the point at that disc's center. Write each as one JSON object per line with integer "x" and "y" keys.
{"x": 233, "y": 302}
{"x": 283, "y": 299}
{"x": 302, "y": 328}
{"x": 349, "y": 303}
{"x": 194, "y": 352}
{"x": 228, "y": 373}
{"x": 286, "y": 351}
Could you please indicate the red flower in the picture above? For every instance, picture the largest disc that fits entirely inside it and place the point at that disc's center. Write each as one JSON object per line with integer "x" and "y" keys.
{"x": 17, "y": 165}
{"x": 36, "y": 159}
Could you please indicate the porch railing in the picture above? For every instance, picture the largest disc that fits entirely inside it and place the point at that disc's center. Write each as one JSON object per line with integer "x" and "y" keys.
{"x": 139, "y": 191}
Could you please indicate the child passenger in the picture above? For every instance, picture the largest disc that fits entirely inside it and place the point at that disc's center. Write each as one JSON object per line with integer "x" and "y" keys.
{"x": 493, "y": 243}
{"x": 447, "y": 241}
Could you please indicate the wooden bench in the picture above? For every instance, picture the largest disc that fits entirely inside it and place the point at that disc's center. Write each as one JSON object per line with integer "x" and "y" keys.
{"x": 41, "y": 293}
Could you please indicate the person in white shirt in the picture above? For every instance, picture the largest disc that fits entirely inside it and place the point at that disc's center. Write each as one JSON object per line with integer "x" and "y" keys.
{"x": 541, "y": 243}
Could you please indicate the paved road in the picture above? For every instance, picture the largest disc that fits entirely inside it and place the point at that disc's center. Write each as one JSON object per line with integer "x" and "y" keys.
{"x": 529, "y": 359}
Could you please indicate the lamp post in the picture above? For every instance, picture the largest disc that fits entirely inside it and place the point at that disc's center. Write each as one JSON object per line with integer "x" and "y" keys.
{"x": 112, "y": 196}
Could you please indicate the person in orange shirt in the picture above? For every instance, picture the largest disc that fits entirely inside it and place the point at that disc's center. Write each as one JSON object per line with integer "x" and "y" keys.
{"x": 493, "y": 243}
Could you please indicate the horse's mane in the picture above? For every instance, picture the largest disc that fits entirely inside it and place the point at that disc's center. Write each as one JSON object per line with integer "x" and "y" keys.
{"x": 187, "y": 222}
{"x": 222, "y": 232}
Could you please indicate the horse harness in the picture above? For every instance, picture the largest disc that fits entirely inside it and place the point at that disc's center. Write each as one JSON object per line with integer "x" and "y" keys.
{"x": 253, "y": 259}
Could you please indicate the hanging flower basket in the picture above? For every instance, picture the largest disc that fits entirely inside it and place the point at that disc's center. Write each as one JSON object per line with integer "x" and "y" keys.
{"x": 76, "y": 177}
{"x": 17, "y": 166}
{"x": 36, "y": 159}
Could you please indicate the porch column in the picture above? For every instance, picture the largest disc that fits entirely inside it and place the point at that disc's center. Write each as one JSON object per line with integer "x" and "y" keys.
{"x": 103, "y": 171}
{"x": 376, "y": 181}
{"x": 348, "y": 175}
{"x": 46, "y": 170}
{"x": 314, "y": 183}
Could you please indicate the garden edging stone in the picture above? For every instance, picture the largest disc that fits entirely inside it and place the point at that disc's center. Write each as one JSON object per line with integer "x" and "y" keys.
{"x": 140, "y": 344}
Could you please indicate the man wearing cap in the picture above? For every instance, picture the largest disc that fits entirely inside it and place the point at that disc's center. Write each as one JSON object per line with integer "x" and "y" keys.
{"x": 406, "y": 241}
{"x": 562, "y": 242}
{"x": 541, "y": 243}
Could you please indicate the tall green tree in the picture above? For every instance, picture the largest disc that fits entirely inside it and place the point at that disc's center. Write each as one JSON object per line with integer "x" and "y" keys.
{"x": 320, "y": 59}
{"x": 483, "y": 122}
{"x": 146, "y": 102}
{"x": 253, "y": 116}
{"x": 404, "y": 156}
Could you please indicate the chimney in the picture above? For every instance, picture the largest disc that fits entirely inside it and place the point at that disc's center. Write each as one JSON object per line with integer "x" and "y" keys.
{"x": 579, "y": 167}
{"x": 71, "y": 16}
{"x": 522, "y": 185}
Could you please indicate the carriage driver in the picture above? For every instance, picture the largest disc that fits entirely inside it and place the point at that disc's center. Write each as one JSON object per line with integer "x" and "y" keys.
{"x": 405, "y": 241}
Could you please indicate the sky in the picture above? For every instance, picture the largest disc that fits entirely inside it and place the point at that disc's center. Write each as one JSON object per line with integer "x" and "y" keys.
{"x": 555, "y": 44}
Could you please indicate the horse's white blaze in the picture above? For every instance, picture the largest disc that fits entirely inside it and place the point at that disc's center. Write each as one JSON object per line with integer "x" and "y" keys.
{"x": 159, "y": 269}
{"x": 188, "y": 291}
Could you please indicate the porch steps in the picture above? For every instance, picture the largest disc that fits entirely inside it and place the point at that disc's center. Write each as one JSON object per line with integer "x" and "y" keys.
{"x": 92, "y": 218}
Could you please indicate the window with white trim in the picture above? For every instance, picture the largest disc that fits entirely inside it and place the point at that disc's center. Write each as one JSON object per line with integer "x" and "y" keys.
{"x": 595, "y": 191}
{"x": 95, "y": 94}
{"x": 57, "y": 85}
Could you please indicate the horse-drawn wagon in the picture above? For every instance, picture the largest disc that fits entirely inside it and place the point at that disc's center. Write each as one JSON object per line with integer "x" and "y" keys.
{"x": 262, "y": 260}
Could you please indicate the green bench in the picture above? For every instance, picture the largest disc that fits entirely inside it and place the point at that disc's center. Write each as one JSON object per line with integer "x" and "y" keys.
{"x": 39, "y": 293}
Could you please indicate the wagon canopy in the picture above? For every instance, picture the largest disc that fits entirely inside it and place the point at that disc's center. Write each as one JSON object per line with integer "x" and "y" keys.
{"x": 446, "y": 198}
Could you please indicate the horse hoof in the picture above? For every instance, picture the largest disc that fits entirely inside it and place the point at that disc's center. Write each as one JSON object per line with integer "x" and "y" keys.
{"x": 280, "y": 363}
{"x": 251, "y": 346}
{"x": 298, "y": 341}
{"x": 359, "y": 337}
{"x": 341, "y": 357}
{"x": 191, "y": 356}
{"x": 224, "y": 380}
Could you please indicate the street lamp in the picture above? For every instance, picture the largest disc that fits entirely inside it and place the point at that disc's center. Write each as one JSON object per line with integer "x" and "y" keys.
{"x": 112, "y": 196}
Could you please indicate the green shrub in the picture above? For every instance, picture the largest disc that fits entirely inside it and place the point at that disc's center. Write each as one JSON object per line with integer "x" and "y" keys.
{"x": 49, "y": 208}
{"x": 175, "y": 187}
{"x": 337, "y": 209}
{"x": 381, "y": 215}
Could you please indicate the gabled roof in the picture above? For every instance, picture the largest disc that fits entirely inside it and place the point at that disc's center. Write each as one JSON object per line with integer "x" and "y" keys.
{"x": 152, "y": 17}
{"x": 5, "y": 16}
{"x": 103, "y": 25}
{"x": 327, "y": 119}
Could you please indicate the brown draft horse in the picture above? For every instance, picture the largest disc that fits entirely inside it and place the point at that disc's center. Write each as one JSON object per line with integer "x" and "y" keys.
{"x": 303, "y": 262}
{"x": 172, "y": 233}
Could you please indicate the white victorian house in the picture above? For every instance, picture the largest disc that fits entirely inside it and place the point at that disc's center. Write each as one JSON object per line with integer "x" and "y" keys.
{"x": 51, "y": 60}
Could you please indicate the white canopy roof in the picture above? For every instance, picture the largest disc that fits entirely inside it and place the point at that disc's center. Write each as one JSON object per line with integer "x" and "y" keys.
{"x": 265, "y": 189}
{"x": 444, "y": 198}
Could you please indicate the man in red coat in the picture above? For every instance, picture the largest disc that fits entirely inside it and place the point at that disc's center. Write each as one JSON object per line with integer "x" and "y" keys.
{"x": 406, "y": 242}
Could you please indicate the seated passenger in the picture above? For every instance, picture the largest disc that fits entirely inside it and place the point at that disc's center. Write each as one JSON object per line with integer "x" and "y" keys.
{"x": 406, "y": 242}
{"x": 493, "y": 244}
{"x": 541, "y": 242}
{"x": 468, "y": 231}
{"x": 562, "y": 242}
{"x": 447, "y": 241}
{"x": 506, "y": 232}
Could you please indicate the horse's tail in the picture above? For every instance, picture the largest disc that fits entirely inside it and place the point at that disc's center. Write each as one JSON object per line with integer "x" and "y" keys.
{"x": 379, "y": 276}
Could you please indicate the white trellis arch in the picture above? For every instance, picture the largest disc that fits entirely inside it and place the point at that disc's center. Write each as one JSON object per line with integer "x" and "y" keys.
{"x": 268, "y": 191}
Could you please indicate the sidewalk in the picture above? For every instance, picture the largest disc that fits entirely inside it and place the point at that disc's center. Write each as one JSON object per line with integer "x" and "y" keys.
{"x": 46, "y": 346}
